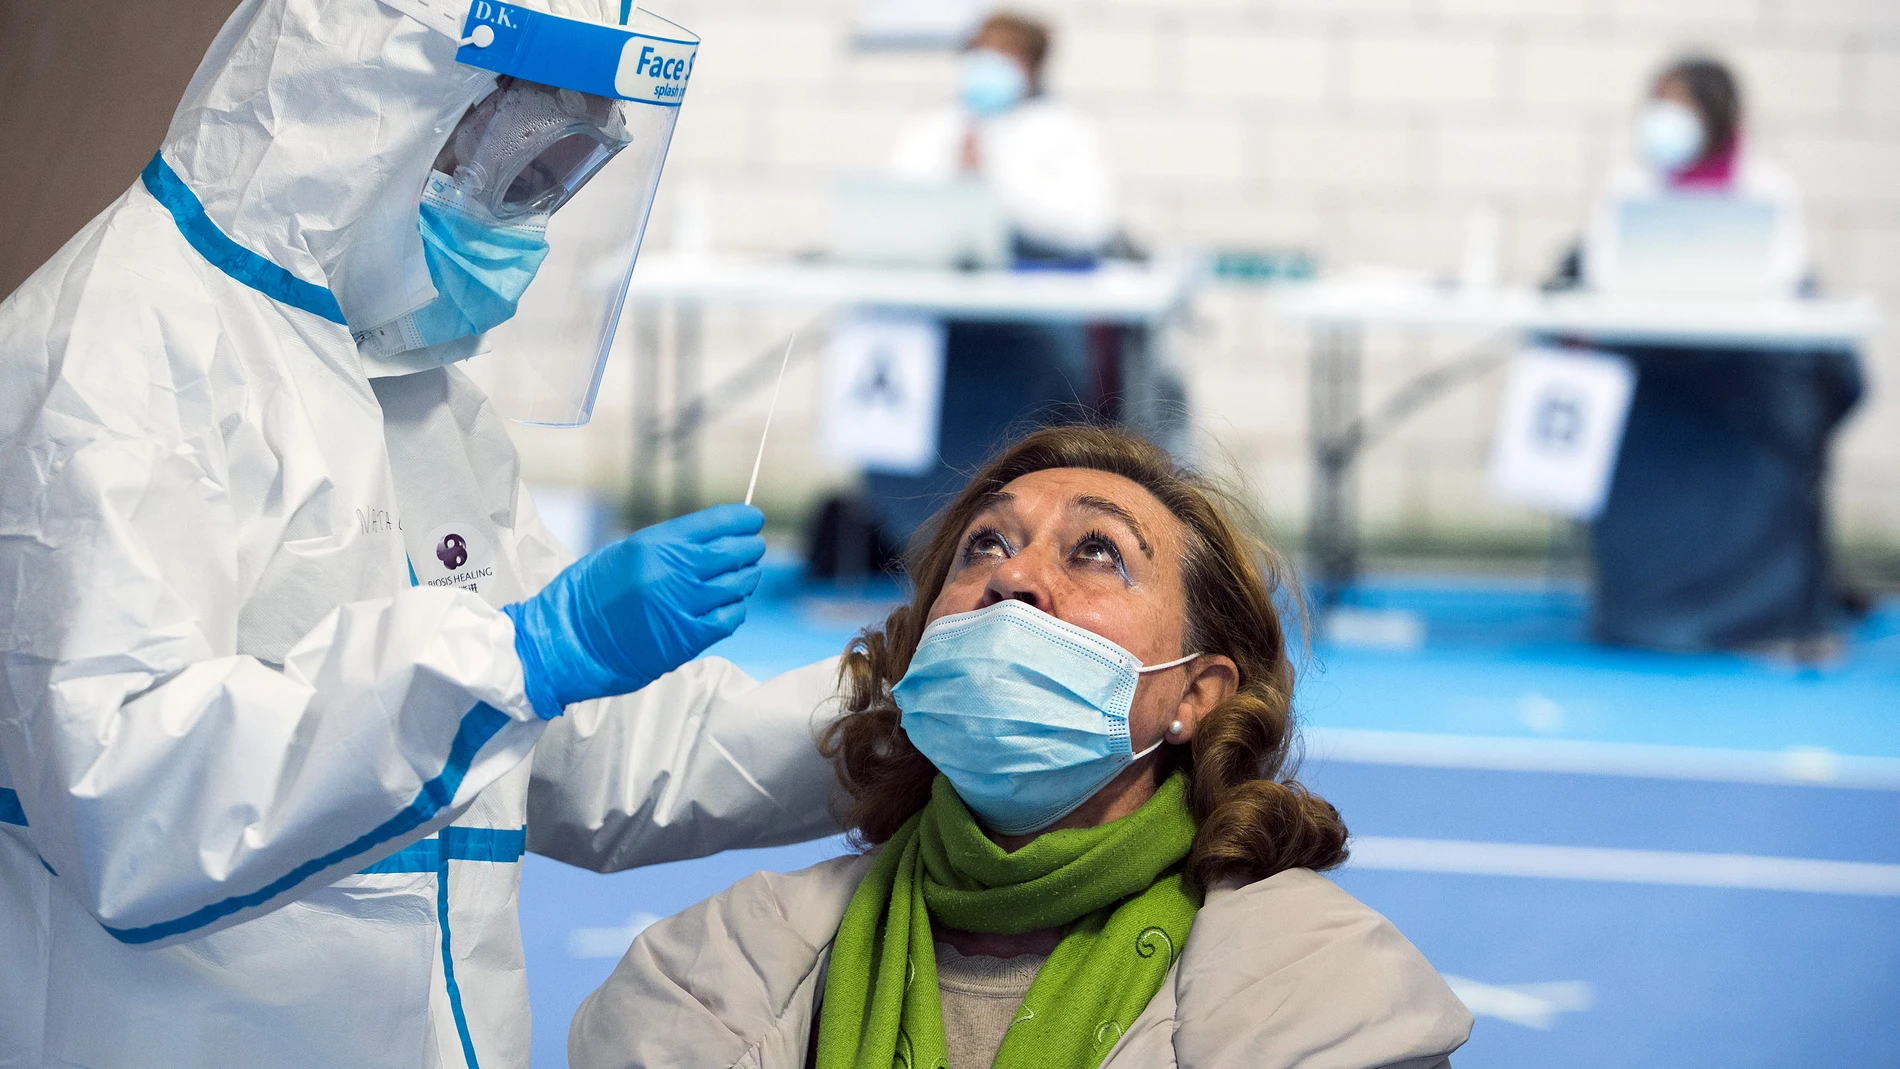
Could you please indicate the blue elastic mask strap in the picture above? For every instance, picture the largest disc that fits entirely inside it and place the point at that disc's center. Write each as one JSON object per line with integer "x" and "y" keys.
{"x": 228, "y": 256}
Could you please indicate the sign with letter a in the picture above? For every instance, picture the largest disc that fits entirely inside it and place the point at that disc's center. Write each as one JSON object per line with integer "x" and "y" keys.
{"x": 883, "y": 386}
{"x": 1560, "y": 429}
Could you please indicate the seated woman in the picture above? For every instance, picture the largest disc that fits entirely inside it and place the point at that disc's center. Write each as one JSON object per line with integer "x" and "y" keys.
{"x": 1714, "y": 534}
{"x": 1069, "y": 755}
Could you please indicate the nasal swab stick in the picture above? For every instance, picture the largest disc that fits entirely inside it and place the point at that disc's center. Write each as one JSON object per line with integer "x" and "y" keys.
{"x": 753, "y": 483}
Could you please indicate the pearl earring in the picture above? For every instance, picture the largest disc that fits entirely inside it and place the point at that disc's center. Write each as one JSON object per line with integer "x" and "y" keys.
{"x": 1174, "y": 728}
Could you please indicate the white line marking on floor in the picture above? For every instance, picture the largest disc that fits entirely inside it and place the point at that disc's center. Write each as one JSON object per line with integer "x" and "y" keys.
{"x": 1530, "y": 1005}
{"x": 1744, "y": 871}
{"x": 1798, "y": 766}
{"x": 607, "y": 942}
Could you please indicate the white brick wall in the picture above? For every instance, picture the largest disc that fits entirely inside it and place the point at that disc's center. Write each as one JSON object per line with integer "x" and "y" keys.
{"x": 1879, "y": 97}
{"x": 1595, "y": 70}
{"x": 1547, "y": 10}
{"x": 1365, "y": 130}
{"x": 1424, "y": 68}
{"x": 1521, "y": 156}
{"x": 1680, "y": 15}
{"x": 1188, "y": 151}
{"x": 1255, "y": 65}
{"x": 1342, "y": 155}
{"x": 1841, "y": 15}
{"x": 1113, "y": 61}
{"x": 1802, "y": 83}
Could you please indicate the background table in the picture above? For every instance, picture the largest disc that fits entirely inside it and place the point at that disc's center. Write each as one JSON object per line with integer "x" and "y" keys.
{"x": 1147, "y": 297}
{"x": 1339, "y": 312}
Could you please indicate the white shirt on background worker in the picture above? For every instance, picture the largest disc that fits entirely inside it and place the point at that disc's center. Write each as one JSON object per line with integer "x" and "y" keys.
{"x": 1043, "y": 159}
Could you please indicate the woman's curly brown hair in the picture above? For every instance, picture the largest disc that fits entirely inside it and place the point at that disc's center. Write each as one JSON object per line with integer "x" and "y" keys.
{"x": 1253, "y": 818}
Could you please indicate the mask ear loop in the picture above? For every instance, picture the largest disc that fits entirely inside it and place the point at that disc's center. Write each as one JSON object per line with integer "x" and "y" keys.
{"x": 1175, "y": 729}
{"x": 1145, "y": 669}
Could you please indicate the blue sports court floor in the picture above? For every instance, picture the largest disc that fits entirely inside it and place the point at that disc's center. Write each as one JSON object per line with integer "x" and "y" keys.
{"x": 1617, "y": 858}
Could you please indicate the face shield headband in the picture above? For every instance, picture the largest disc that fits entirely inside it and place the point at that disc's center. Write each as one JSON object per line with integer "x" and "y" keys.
{"x": 549, "y": 178}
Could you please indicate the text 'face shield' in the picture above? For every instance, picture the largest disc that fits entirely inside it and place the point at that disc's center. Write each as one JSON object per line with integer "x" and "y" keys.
{"x": 533, "y": 217}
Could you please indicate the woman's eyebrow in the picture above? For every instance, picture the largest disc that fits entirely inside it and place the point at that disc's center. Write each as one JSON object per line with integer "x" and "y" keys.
{"x": 992, "y": 501}
{"x": 1108, "y": 508}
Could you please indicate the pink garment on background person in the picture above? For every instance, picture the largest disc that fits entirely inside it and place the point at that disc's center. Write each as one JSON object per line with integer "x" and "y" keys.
{"x": 1713, "y": 172}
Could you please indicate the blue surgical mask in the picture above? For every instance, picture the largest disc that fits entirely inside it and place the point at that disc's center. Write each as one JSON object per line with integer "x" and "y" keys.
{"x": 1025, "y": 714}
{"x": 480, "y": 268}
{"x": 991, "y": 83}
{"x": 1670, "y": 135}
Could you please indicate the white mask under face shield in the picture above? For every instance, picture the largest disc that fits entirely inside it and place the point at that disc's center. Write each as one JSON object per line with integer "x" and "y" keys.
{"x": 548, "y": 179}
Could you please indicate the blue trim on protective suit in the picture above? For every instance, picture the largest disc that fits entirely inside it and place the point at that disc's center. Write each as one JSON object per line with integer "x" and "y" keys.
{"x": 478, "y": 726}
{"x": 503, "y": 846}
{"x": 424, "y": 855}
{"x": 12, "y": 813}
{"x": 10, "y": 810}
{"x": 448, "y": 961}
{"x": 227, "y": 255}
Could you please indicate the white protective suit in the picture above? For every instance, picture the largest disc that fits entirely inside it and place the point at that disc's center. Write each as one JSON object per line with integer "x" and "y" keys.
{"x": 1042, "y": 158}
{"x": 265, "y": 786}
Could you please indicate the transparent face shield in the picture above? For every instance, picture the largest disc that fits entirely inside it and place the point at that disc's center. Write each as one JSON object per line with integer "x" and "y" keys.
{"x": 532, "y": 217}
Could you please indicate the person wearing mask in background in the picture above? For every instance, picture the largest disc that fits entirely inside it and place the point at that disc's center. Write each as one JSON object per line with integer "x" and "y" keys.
{"x": 1689, "y": 139}
{"x": 291, "y": 674}
{"x": 1713, "y": 535}
{"x": 1043, "y": 161}
{"x": 1041, "y": 158}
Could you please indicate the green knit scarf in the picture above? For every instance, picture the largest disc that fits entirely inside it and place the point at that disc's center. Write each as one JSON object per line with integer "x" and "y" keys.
{"x": 1117, "y": 891}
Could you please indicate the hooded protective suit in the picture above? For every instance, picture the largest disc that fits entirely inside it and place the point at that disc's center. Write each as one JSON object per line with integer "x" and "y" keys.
{"x": 265, "y": 780}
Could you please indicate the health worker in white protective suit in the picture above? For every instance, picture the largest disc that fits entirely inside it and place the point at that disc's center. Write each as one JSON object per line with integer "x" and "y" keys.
{"x": 290, "y": 672}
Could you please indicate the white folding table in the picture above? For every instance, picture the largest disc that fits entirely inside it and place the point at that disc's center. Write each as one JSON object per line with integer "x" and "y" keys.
{"x": 1339, "y": 312}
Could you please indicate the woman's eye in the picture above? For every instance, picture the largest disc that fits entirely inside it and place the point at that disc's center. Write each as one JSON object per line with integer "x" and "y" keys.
{"x": 1098, "y": 549}
{"x": 985, "y": 543}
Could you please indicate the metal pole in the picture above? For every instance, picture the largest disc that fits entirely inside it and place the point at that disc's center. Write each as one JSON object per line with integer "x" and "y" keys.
{"x": 686, "y": 353}
{"x": 643, "y": 504}
{"x": 1333, "y": 407}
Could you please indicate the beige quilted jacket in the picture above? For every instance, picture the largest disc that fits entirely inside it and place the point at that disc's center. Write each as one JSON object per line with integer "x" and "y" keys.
{"x": 1289, "y": 971}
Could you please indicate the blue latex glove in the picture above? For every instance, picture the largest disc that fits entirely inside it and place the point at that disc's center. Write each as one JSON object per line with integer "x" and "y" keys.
{"x": 627, "y": 614}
